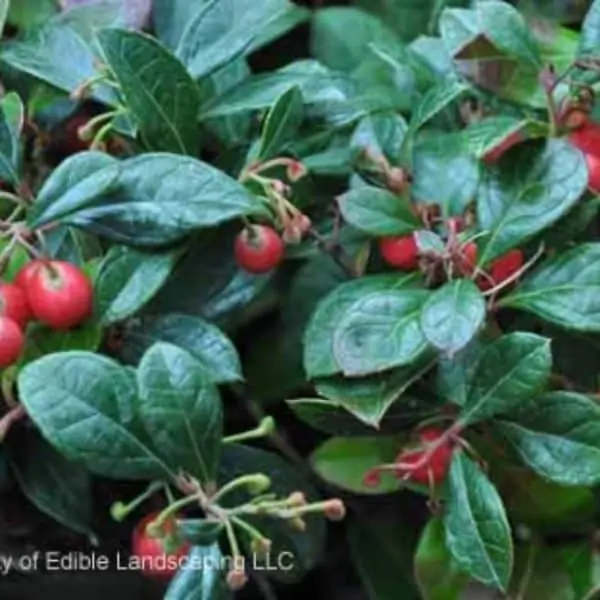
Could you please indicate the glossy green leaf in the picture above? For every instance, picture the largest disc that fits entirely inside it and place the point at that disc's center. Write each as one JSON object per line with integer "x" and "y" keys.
{"x": 171, "y": 17}
{"x": 213, "y": 350}
{"x": 159, "y": 198}
{"x": 590, "y": 31}
{"x": 510, "y": 371}
{"x": 181, "y": 410}
{"x": 369, "y": 398}
{"x": 127, "y": 280}
{"x": 437, "y": 573}
{"x": 558, "y": 436}
{"x": 12, "y": 118}
{"x": 380, "y": 331}
{"x": 206, "y": 582}
{"x": 157, "y": 90}
{"x": 452, "y": 316}
{"x": 378, "y": 212}
{"x": 84, "y": 404}
{"x": 319, "y": 360}
{"x": 564, "y": 290}
{"x": 528, "y": 190}
{"x": 282, "y": 123}
{"x": 343, "y": 462}
{"x": 58, "y": 487}
{"x": 380, "y": 134}
{"x": 77, "y": 182}
{"x": 477, "y": 530}
{"x": 495, "y": 20}
{"x": 305, "y": 547}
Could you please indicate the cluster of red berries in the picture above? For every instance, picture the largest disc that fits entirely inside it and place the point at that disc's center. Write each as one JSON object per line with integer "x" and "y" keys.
{"x": 56, "y": 293}
{"x": 258, "y": 249}
{"x": 587, "y": 139}
{"x": 402, "y": 252}
{"x": 426, "y": 464}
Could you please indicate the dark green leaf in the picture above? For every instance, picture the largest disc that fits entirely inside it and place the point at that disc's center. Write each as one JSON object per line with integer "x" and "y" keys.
{"x": 12, "y": 117}
{"x": 528, "y": 190}
{"x": 200, "y": 583}
{"x": 282, "y": 123}
{"x": 510, "y": 371}
{"x": 436, "y": 571}
{"x": 213, "y": 350}
{"x": 380, "y": 135}
{"x": 378, "y": 212}
{"x": 564, "y": 290}
{"x": 319, "y": 360}
{"x": 127, "y": 279}
{"x": 369, "y": 398}
{"x": 171, "y": 17}
{"x": 84, "y": 404}
{"x": 453, "y": 315}
{"x": 27, "y": 13}
{"x": 76, "y": 183}
{"x": 157, "y": 90}
{"x": 435, "y": 101}
{"x": 558, "y": 436}
{"x": 181, "y": 410}
{"x": 306, "y": 547}
{"x": 159, "y": 198}
{"x": 380, "y": 331}
{"x": 58, "y": 487}
{"x": 345, "y": 461}
{"x": 477, "y": 530}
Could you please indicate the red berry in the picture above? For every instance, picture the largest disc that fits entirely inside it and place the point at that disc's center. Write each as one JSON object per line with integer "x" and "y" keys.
{"x": 12, "y": 341}
{"x": 154, "y": 560}
{"x": 423, "y": 469}
{"x": 593, "y": 165}
{"x": 466, "y": 260}
{"x": 25, "y": 273}
{"x": 13, "y": 304}
{"x": 587, "y": 138}
{"x": 401, "y": 252}
{"x": 501, "y": 269}
{"x": 258, "y": 249}
{"x": 60, "y": 294}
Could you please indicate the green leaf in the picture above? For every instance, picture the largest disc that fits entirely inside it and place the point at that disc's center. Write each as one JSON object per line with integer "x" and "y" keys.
{"x": 378, "y": 212}
{"x": 369, "y": 398}
{"x": 12, "y": 118}
{"x": 380, "y": 134}
{"x": 56, "y": 486}
{"x": 444, "y": 170}
{"x": 510, "y": 371}
{"x": 477, "y": 530}
{"x": 564, "y": 290}
{"x": 171, "y": 17}
{"x": 382, "y": 552}
{"x": 74, "y": 184}
{"x": 558, "y": 436}
{"x": 452, "y": 316}
{"x": 204, "y": 583}
{"x": 497, "y": 22}
{"x": 181, "y": 410}
{"x": 343, "y": 462}
{"x": 282, "y": 123}
{"x": 160, "y": 198}
{"x": 589, "y": 40}
{"x": 528, "y": 190}
{"x": 27, "y": 13}
{"x": 305, "y": 547}
{"x": 380, "y": 331}
{"x": 157, "y": 90}
{"x": 127, "y": 280}
{"x": 211, "y": 348}
{"x": 84, "y": 405}
{"x": 319, "y": 360}
{"x": 331, "y": 44}
{"x": 4, "y": 7}
{"x": 436, "y": 572}
{"x": 436, "y": 100}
